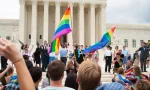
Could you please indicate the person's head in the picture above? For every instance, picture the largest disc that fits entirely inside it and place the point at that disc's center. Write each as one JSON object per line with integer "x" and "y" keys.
{"x": 89, "y": 56}
{"x": 28, "y": 64}
{"x": 63, "y": 46}
{"x": 89, "y": 75}
{"x": 129, "y": 63}
{"x": 56, "y": 70}
{"x": 142, "y": 85}
{"x": 142, "y": 44}
{"x": 124, "y": 47}
{"x": 120, "y": 71}
{"x": 82, "y": 47}
{"x": 7, "y": 76}
{"x": 108, "y": 47}
{"x": 122, "y": 55}
{"x": 118, "y": 55}
{"x": 26, "y": 46}
{"x": 45, "y": 42}
{"x": 116, "y": 47}
{"x": 71, "y": 81}
{"x": 76, "y": 46}
{"x": 137, "y": 71}
{"x": 26, "y": 57}
{"x": 10, "y": 71}
{"x": 36, "y": 74}
{"x": 22, "y": 46}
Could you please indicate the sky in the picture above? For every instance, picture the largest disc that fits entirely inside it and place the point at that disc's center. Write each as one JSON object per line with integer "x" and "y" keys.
{"x": 117, "y": 11}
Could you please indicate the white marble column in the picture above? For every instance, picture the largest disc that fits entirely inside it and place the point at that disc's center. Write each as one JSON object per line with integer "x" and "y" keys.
{"x": 69, "y": 36}
{"x": 22, "y": 21}
{"x": 45, "y": 23}
{"x": 81, "y": 24}
{"x": 34, "y": 23}
{"x": 57, "y": 14}
{"x": 92, "y": 23}
{"x": 103, "y": 19}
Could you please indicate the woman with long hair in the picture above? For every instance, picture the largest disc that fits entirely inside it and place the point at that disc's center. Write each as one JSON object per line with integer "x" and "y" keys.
{"x": 137, "y": 72}
{"x": 116, "y": 51}
{"x": 26, "y": 52}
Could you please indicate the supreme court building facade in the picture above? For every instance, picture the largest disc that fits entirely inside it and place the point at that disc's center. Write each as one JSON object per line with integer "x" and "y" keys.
{"x": 40, "y": 18}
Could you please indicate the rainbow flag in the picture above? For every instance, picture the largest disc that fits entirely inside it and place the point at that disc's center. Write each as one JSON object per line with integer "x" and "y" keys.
{"x": 148, "y": 44}
{"x": 102, "y": 43}
{"x": 63, "y": 28}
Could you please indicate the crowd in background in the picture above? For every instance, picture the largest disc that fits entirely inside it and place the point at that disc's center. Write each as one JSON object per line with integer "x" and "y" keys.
{"x": 83, "y": 70}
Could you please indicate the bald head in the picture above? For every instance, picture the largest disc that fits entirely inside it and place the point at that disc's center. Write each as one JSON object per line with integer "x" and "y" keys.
{"x": 89, "y": 75}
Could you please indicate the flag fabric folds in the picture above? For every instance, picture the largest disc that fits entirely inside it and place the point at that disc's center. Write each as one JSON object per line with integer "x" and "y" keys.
{"x": 62, "y": 29}
{"x": 102, "y": 43}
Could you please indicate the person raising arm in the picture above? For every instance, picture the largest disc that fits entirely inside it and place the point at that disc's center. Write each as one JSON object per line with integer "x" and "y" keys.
{"x": 10, "y": 51}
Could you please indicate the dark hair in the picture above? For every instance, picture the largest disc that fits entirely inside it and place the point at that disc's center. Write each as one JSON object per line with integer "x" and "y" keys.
{"x": 108, "y": 46}
{"x": 36, "y": 73}
{"x": 118, "y": 53}
{"x": 63, "y": 46}
{"x": 22, "y": 46}
{"x": 56, "y": 70}
{"x": 143, "y": 85}
{"x": 26, "y": 57}
{"x": 116, "y": 47}
{"x": 9, "y": 72}
{"x": 2, "y": 80}
{"x": 28, "y": 64}
{"x": 71, "y": 81}
{"x": 2, "y": 70}
{"x": 26, "y": 46}
{"x": 122, "y": 55}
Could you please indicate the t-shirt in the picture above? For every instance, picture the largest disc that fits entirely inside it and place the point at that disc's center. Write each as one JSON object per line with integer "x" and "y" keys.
{"x": 63, "y": 52}
{"x": 13, "y": 84}
{"x": 125, "y": 53}
{"x": 108, "y": 53}
{"x": 57, "y": 88}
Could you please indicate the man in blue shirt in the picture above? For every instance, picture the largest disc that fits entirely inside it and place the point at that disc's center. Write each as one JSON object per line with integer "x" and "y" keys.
{"x": 126, "y": 54}
{"x": 63, "y": 54}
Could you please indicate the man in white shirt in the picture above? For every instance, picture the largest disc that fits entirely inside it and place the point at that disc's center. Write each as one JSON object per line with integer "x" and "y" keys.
{"x": 108, "y": 57}
{"x": 56, "y": 73}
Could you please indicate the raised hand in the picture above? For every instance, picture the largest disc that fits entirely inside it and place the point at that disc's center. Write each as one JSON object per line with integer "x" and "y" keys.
{"x": 9, "y": 50}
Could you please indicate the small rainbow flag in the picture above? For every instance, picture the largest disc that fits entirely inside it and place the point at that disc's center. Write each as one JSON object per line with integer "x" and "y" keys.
{"x": 63, "y": 28}
{"x": 148, "y": 44}
{"x": 102, "y": 43}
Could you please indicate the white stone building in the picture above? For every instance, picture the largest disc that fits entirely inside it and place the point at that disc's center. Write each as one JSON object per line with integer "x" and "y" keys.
{"x": 40, "y": 18}
{"x": 9, "y": 29}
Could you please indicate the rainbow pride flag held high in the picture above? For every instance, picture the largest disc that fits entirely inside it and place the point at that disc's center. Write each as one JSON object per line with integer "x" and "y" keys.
{"x": 63, "y": 28}
{"x": 102, "y": 43}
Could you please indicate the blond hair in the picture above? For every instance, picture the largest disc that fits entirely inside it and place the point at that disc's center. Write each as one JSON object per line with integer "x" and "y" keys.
{"x": 89, "y": 75}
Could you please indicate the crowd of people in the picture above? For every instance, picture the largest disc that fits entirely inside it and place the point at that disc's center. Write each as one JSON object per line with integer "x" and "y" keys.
{"x": 82, "y": 70}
